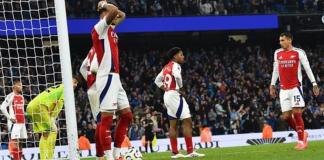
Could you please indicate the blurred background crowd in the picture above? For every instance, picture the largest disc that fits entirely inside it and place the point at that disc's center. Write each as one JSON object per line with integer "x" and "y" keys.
{"x": 87, "y": 8}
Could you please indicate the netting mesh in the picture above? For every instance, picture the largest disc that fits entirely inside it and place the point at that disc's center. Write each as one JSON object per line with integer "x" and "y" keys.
{"x": 28, "y": 52}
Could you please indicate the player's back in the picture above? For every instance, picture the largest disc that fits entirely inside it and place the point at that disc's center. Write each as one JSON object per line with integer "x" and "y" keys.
{"x": 169, "y": 81}
{"x": 50, "y": 96}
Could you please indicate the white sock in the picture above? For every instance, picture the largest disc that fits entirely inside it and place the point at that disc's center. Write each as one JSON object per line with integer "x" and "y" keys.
{"x": 108, "y": 154}
{"x": 116, "y": 152}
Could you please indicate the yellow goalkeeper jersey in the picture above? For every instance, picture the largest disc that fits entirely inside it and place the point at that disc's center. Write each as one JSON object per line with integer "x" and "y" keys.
{"x": 52, "y": 98}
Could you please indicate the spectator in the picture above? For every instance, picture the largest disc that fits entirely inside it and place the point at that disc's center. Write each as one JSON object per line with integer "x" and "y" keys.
{"x": 84, "y": 143}
{"x": 267, "y": 131}
{"x": 205, "y": 7}
{"x": 212, "y": 117}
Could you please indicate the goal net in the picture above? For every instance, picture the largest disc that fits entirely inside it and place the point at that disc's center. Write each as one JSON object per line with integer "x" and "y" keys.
{"x": 30, "y": 52}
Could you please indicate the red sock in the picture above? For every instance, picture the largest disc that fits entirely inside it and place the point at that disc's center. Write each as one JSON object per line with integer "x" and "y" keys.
{"x": 121, "y": 129}
{"x": 299, "y": 125}
{"x": 105, "y": 135}
{"x": 99, "y": 149}
{"x": 292, "y": 123}
{"x": 189, "y": 144}
{"x": 15, "y": 154}
{"x": 20, "y": 153}
{"x": 174, "y": 145}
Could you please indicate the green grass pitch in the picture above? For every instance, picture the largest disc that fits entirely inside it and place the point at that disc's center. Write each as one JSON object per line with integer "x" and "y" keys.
{"x": 315, "y": 151}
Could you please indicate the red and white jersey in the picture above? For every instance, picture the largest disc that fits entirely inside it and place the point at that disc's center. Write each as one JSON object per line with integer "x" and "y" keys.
{"x": 170, "y": 77}
{"x": 105, "y": 44}
{"x": 89, "y": 67}
{"x": 15, "y": 102}
{"x": 287, "y": 67}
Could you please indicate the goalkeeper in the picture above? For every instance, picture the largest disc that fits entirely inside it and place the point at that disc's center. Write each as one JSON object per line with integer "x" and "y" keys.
{"x": 43, "y": 111}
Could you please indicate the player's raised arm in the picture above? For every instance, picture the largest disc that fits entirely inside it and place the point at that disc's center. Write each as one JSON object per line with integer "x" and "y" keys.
{"x": 304, "y": 61}
{"x": 159, "y": 80}
{"x": 275, "y": 76}
{"x": 119, "y": 18}
{"x": 108, "y": 13}
{"x": 110, "y": 10}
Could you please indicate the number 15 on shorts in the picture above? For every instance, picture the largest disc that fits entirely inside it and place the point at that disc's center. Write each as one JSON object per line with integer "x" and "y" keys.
{"x": 297, "y": 98}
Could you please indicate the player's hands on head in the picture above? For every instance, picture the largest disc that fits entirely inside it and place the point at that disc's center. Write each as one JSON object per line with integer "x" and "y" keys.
{"x": 273, "y": 91}
{"x": 316, "y": 90}
{"x": 103, "y": 4}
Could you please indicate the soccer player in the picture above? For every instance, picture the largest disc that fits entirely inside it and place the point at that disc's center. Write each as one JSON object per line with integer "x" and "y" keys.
{"x": 43, "y": 111}
{"x": 287, "y": 67}
{"x": 112, "y": 96}
{"x": 170, "y": 81}
{"x": 16, "y": 118}
{"x": 88, "y": 71}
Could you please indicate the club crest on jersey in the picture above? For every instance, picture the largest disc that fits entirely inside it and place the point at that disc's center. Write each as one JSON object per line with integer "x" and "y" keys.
{"x": 114, "y": 35}
{"x": 292, "y": 56}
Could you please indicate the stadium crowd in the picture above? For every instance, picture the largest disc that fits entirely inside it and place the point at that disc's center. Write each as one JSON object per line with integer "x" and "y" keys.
{"x": 87, "y": 8}
{"x": 226, "y": 89}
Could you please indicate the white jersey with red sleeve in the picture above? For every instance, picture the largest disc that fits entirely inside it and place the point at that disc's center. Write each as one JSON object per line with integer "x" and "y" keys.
{"x": 105, "y": 44}
{"x": 15, "y": 103}
{"x": 170, "y": 77}
{"x": 89, "y": 68}
{"x": 287, "y": 67}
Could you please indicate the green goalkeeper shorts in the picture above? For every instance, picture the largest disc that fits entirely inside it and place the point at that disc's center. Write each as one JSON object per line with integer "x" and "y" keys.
{"x": 41, "y": 119}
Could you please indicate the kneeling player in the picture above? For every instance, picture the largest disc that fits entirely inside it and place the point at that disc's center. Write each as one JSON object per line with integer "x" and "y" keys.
{"x": 43, "y": 111}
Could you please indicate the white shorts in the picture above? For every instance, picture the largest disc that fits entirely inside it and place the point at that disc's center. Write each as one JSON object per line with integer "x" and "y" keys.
{"x": 18, "y": 131}
{"x": 177, "y": 106}
{"x": 112, "y": 95}
{"x": 290, "y": 98}
{"x": 93, "y": 100}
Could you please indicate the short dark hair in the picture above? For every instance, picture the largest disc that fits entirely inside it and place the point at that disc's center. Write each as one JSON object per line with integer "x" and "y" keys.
{"x": 16, "y": 81}
{"x": 173, "y": 51}
{"x": 169, "y": 54}
{"x": 286, "y": 34}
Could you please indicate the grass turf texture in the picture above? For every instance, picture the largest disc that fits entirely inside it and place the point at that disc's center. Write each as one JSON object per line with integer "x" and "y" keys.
{"x": 315, "y": 151}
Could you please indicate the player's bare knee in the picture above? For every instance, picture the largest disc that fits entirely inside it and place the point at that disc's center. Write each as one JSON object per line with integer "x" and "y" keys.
{"x": 106, "y": 114}
{"x": 297, "y": 110}
{"x": 125, "y": 111}
{"x": 187, "y": 121}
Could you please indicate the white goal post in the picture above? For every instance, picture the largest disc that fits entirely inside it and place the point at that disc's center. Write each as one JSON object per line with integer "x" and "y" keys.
{"x": 64, "y": 47}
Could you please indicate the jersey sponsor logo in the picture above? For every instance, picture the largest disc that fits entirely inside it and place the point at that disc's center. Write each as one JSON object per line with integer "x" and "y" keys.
{"x": 287, "y": 63}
